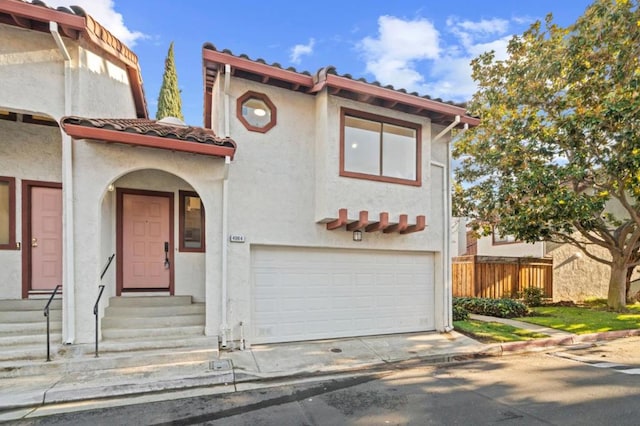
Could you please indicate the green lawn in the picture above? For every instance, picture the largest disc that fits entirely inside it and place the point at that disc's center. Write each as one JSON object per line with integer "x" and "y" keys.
{"x": 490, "y": 332}
{"x": 584, "y": 320}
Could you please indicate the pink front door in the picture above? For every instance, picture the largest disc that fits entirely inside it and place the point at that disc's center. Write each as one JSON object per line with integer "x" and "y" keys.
{"x": 46, "y": 238}
{"x": 146, "y": 243}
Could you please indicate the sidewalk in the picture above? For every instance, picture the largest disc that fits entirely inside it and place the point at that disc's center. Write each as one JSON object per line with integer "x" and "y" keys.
{"x": 260, "y": 366}
{"x": 556, "y": 337}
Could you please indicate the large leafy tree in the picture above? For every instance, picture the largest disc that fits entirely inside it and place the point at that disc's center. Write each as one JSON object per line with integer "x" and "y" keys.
{"x": 169, "y": 101}
{"x": 556, "y": 156}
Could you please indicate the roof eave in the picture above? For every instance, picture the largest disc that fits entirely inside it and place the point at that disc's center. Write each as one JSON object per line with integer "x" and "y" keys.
{"x": 149, "y": 141}
{"x": 72, "y": 26}
{"x": 214, "y": 60}
{"x": 394, "y": 96}
{"x": 43, "y": 14}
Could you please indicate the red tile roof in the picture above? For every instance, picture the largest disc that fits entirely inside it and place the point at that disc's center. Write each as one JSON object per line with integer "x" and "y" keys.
{"x": 151, "y": 133}
{"x": 345, "y": 85}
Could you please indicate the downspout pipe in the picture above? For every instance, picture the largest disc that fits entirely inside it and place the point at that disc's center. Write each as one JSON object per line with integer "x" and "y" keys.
{"x": 447, "y": 247}
{"x": 68, "y": 294}
{"x": 446, "y": 130}
{"x": 227, "y": 107}
{"x": 224, "y": 326}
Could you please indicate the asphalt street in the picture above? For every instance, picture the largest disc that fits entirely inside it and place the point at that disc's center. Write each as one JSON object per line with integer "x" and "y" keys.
{"x": 590, "y": 385}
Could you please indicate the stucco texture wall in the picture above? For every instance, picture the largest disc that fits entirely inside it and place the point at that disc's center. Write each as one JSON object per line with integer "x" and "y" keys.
{"x": 577, "y": 277}
{"x": 27, "y": 152}
{"x": 282, "y": 182}
{"x": 96, "y": 165}
{"x": 32, "y": 72}
{"x": 486, "y": 247}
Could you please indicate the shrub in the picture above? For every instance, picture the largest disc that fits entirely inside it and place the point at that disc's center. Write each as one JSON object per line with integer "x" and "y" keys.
{"x": 501, "y": 308}
{"x": 460, "y": 313}
{"x": 533, "y": 296}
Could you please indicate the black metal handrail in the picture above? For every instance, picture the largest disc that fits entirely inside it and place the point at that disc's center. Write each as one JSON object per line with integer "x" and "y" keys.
{"x": 95, "y": 306}
{"x": 46, "y": 314}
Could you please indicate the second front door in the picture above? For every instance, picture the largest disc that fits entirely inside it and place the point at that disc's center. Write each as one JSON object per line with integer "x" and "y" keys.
{"x": 145, "y": 241}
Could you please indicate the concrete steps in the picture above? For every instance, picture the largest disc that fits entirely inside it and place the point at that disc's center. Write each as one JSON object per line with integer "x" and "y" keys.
{"x": 147, "y": 333}
{"x": 81, "y": 358}
{"x": 23, "y": 329}
{"x": 153, "y": 332}
{"x": 29, "y": 304}
{"x": 153, "y": 318}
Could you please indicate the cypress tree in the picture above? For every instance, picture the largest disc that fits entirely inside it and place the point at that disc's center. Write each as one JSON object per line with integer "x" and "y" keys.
{"x": 169, "y": 102}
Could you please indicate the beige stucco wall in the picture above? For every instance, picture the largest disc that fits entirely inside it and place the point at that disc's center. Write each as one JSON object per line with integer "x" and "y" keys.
{"x": 96, "y": 165}
{"x": 577, "y": 277}
{"x": 27, "y": 152}
{"x": 487, "y": 248}
{"x": 36, "y": 80}
{"x": 32, "y": 74}
{"x": 281, "y": 183}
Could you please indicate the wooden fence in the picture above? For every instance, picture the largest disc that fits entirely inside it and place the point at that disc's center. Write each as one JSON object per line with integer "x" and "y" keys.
{"x": 499, "y": 277}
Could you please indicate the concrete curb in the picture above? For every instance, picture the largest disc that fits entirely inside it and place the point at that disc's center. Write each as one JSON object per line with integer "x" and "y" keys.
{"x": 73, "y": 392}
{"x": 542, "y": 344}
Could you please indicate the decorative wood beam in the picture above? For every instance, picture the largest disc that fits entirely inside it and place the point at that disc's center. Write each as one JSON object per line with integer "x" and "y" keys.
{"x": 265, "y": 79}
{"x": 362, "y": 221}
{"x": 421, "y": 223}
{"x": 339, "y": 222}
{"x": 380, "y": 225}
{"x": 334, "y": 90}
{"x": 398, "y": 227}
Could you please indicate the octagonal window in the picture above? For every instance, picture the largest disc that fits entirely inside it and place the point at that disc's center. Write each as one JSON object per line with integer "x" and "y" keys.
{"x": 256, "y": 112}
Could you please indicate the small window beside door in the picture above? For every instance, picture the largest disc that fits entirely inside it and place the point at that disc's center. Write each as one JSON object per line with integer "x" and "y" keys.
{"x": 7, "y": 213}
{"x": 191, "y": 222}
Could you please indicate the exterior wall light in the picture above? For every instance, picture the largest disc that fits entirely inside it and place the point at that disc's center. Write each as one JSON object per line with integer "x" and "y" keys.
{"x": 357, "y": 235}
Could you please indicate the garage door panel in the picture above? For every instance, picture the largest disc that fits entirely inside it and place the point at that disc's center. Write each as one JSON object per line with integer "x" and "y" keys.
{"x": 305, "y": 293}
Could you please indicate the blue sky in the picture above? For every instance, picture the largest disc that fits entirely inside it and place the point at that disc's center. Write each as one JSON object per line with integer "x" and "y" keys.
{"x": 422, "y": 46}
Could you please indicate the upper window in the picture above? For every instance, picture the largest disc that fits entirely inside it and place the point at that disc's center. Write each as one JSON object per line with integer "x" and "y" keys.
{"x": 256, "y": 112}
{"x": 7, "y": 213}
{"x": 191, "y": 222}
{"x": 379, "y": 148}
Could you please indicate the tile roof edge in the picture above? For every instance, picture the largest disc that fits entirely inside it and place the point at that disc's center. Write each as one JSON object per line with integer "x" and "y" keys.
{"x": 321, "y": 73}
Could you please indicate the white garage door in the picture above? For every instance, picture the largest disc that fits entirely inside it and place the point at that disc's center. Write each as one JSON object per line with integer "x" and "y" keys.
{"x": 308, "y": 293}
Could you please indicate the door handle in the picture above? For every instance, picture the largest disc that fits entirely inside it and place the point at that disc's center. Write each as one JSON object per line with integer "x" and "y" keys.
{"x": 167, "y": 264}
{"x": 34, "y": 242}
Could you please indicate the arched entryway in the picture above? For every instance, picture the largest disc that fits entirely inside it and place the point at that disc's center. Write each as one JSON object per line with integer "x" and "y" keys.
{"x": 154, "y": 221}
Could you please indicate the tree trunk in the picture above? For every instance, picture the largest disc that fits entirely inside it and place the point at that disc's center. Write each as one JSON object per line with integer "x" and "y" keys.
{"x": 627, "y": 284}
{"x": 616, "y": 299}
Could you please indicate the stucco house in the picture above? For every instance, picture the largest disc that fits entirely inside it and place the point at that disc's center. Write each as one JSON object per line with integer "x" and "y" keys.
{"x": 576, "y": 277}
{"x": 309, "y": 206}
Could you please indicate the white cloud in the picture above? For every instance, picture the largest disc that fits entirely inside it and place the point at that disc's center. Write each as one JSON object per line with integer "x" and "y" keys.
{"x": 104, "y": 12}
{"x": 299, "y": 50}
{"x": 499, "y": 46}
{"x": 391, "y": 57}
{"x": 414, "y": 55}
{"x": 484, "y": 26}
